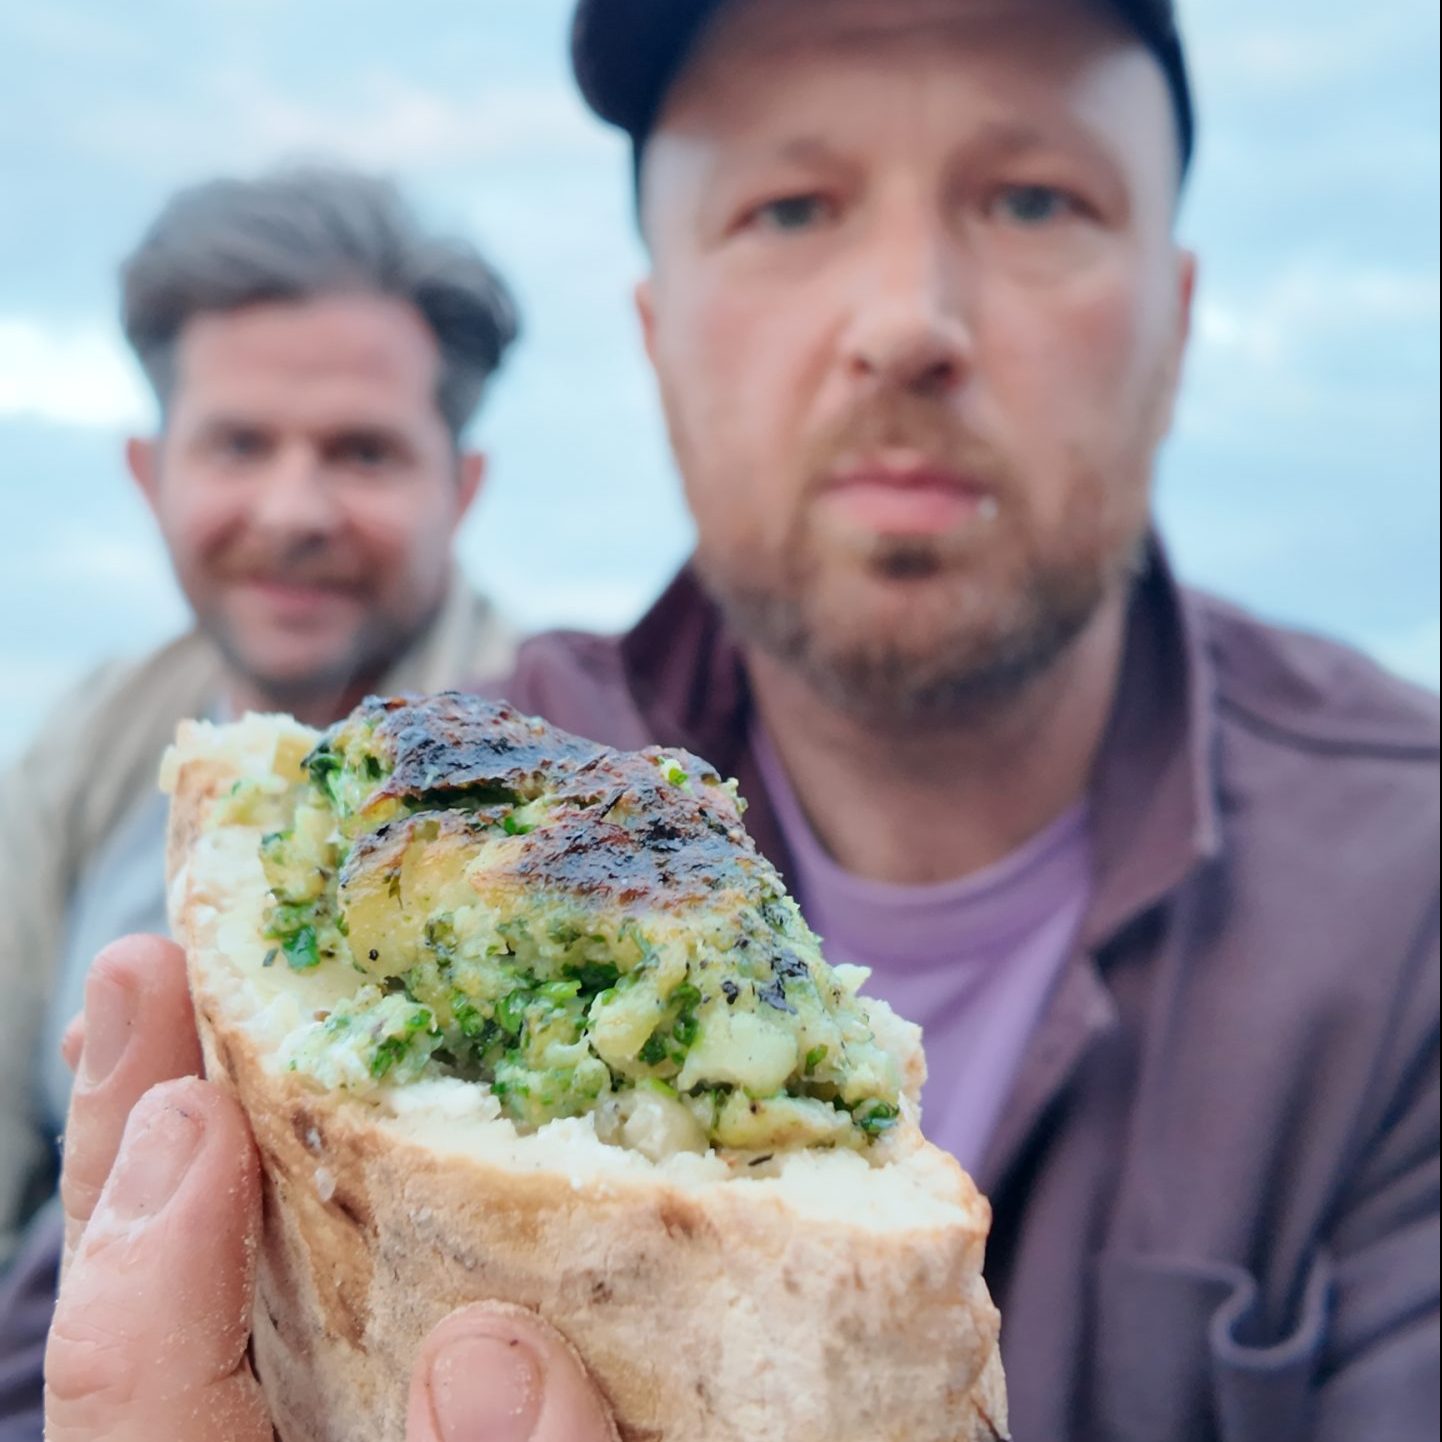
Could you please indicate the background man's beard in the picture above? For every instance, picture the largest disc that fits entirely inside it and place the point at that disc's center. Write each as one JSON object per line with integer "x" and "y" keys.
{"x": 971, "y": 651}
{"x": 328, "y": 687}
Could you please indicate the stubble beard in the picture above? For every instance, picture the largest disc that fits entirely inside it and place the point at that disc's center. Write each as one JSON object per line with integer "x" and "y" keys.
{"x": 334, "y": 682}
{"x": 321, "y": 688}
{"x": 336, "y": 676}
{"x": 954, "y": 633}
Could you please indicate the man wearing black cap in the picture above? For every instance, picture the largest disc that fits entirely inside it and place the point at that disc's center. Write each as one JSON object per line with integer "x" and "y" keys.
{"x": 1159, "y": 880}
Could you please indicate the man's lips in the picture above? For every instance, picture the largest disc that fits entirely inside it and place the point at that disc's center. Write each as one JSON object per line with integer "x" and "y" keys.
{"x": 290, "y": 596}
{"x": 904, "y": 492}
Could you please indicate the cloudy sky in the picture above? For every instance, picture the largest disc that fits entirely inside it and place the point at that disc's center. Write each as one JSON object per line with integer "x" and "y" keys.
{"x": 1302, "y": 480}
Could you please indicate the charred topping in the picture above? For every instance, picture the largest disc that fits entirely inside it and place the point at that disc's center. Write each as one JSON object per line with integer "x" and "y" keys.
{"x": 568, "y": 923}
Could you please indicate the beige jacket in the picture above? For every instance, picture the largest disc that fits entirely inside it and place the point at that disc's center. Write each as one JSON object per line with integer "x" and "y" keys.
{"x": 90, "y": 764}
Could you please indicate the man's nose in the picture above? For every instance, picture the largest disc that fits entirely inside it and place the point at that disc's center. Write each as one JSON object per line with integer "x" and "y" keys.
{"x": 908, "y": 331}
{"x": 293, "y": 496}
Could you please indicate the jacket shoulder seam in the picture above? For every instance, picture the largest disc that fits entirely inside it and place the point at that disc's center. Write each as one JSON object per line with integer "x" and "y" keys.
{"x": 1321, "y": 742}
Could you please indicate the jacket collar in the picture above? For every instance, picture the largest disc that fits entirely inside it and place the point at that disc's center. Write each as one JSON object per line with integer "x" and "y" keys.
{"x": 1154, "y": 809}
{"x": 1153, "y": 794}
{"x": 686, "y": 674}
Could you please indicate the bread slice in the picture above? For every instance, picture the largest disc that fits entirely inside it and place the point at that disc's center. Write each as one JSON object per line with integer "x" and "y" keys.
{"x": 828, "y": 1296}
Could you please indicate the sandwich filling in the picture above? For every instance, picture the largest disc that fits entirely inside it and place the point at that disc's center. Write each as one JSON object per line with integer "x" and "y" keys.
{"x": 582, "y": 930}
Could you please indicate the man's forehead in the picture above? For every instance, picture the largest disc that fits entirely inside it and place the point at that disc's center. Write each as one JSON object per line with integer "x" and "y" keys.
{"x": 363, "y": 336}
{"x": 765, "y": 52}
{"x": 765, "y": 64}
{"x": 312, "y": 364}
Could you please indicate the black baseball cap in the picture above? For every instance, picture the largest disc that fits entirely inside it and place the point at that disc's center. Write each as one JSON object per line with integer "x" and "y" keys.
{"x": 626, "y": 53}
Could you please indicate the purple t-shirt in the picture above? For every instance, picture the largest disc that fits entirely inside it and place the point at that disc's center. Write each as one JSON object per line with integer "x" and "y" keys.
{"x": 971, "y": 961}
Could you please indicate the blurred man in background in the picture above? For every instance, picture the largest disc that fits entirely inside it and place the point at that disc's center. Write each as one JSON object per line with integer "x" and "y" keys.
{"x": 1158, "y": 880}
{"x": 316, "y": 356}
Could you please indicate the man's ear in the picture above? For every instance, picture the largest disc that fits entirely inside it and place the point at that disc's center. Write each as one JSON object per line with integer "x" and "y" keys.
{"x": 1186, "y": 283}
{"x": 645, "y": 298}
{"x": 471, "y": 480}
{"x": 142, "y": 459}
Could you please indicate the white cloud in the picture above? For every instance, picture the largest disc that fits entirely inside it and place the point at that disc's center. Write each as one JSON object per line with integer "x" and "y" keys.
{"x": 1414, "y": 652}
{"x": 73, "y": 35}
{"x": 1228, "y": 330}
{"x": 114, "y": 570}
{"x": 1315, "y": 298}
{"x": 379, "y": 121}
{"x": 1273, "y": 350}
{"x": 1290, "y": 58}
{"x": 133, "y": 566}
{"x": 111, "y": 573}
{"x": 1288, "y": 52}
{"x": 1310, "y": 301}
{"x": 75, "y": 376}
{"x": 29, "y": 687}
{"x": 393, "y": 123}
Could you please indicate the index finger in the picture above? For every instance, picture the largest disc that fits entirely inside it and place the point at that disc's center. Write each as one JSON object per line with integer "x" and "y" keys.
{"x": 139, "y": 1030}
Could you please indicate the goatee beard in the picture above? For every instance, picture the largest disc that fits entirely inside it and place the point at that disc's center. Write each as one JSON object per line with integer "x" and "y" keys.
{"x": 977, "y": 667}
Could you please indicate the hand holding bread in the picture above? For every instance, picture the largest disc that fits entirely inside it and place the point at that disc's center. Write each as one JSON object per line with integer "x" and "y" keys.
{"x": 162, "y": 1198}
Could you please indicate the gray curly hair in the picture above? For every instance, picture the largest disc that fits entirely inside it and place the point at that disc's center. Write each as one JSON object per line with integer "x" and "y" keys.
{"x": 303, "y": 233}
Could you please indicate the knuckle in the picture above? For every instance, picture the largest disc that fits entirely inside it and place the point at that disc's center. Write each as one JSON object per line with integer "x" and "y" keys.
{"x": 91, "y": 1358}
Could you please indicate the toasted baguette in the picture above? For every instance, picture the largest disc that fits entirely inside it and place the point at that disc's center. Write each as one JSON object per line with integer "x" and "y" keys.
{"x": 833, "y": 1300}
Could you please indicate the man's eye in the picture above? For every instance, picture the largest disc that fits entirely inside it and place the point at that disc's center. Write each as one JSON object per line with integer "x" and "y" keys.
{"x": 794, "y": 212}
{"x": 239, "y": 445}
{"x": 364, "y": 452}
{"x": 1033, "y": 205}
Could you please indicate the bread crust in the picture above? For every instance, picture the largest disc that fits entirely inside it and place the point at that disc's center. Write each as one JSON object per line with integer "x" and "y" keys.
{"x": 710, "y": 1314}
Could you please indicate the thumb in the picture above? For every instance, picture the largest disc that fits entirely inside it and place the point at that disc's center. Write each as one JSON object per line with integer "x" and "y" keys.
{"x": 150, "y": 1331}
{"x": 496, "y": 1373}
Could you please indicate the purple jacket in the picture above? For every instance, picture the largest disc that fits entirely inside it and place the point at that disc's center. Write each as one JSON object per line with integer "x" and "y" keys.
{"x": 1215, "y": 1183}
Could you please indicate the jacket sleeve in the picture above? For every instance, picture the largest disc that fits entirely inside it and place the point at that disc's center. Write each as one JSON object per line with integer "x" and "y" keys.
{"x": 1380, "y": 1371}
{"x": 27, "y": 1301}
{"x": 32, "y": 892}
{"x": 40, "y": 800}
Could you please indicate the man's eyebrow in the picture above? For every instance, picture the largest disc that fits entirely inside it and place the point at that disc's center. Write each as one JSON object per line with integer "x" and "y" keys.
{"x": 1014, "y": 139}
{"x": 1004, "y": 138}
{"x": 802, "y": 152}
{"x": 801, "y": 158}
{"x": 382, "y": 432}
{"x": 225, "y": 422}
{"x": 363, "y": 428}
{"x": 807, "y": 150}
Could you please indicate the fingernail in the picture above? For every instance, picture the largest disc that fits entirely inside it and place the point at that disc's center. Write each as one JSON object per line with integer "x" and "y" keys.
{"x": 485, "y": 1389}
{"x": 109, "y": 1009}
{"x": 152, "y": 1163}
